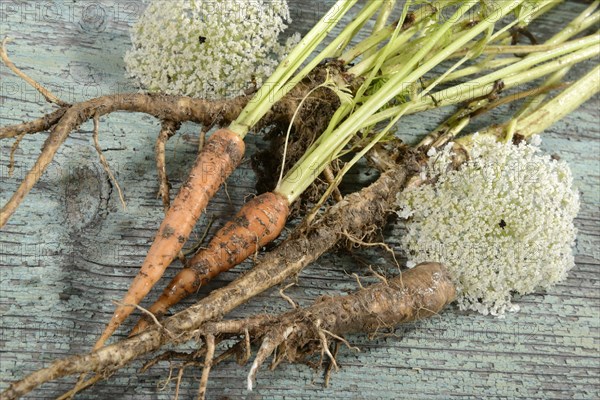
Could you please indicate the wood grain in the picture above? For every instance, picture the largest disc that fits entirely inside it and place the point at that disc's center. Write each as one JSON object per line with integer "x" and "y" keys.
{"x": 70, "y": 250}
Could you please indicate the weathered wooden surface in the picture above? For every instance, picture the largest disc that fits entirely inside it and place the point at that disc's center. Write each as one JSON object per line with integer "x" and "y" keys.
{"x": 71, "y": 249}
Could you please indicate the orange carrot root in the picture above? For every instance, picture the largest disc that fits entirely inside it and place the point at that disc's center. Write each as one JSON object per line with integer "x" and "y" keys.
{"x": 259, "y": 222}
{"x": 221, "y": 155}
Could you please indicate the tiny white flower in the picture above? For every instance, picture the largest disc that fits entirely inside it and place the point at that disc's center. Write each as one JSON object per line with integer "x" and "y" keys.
{"x": 502, "y": 223}
{"x": 205, "y": 48}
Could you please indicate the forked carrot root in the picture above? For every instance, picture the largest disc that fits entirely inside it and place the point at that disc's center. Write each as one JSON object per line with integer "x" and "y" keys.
{"x": 258, "y": 222}
{"x": 222, "y": 153}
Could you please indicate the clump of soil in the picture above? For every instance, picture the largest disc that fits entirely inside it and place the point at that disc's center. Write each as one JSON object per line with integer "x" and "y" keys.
{"x": 312, "y": 119}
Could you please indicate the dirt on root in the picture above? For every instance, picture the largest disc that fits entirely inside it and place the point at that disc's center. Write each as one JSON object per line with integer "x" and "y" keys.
{"x": 297, "y": 335}
{"x": 311, "y": 120}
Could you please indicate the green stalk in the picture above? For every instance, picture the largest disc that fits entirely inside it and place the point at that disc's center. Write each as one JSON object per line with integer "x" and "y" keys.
{"x": 563, "y": 104}
{"x": 337, "y": 43}
{"x": 347, "y": 38}
{"x": 520, "y": 72}
{"x": 535, "y": 122}
{"x": 363, "y": 48}
{"x": 513, "y": 75}
{"x": 517, "y": 49}
{"x": 377, "y": 138}
{"x": 539, "y": 11}
{"x": 373, "y": 64}
{"x": 393, "y": 64}
{"x": 457, "y": 126}
{"x": 365, "y": 45}
{"x": 382, "y": 54}
{"x": 377, "y": 60}
{"x": 583, "y": 21}
{"x": 276, "y": 87}
{"x": 384, "y": 14}
{"x": 523, "y": 19}
{"x": 557, "y": 108}
{"x": 314, "y": 161}
{"x": 368, "y": 64}
{"x": 450, "y": 128}
{"x": 480, "y": 67}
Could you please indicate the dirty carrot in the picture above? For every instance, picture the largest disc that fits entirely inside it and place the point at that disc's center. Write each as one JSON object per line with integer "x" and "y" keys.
{"x": 220, "y": 156}
{"x": 366, "y": 207}
{"x": 258, "y": 222}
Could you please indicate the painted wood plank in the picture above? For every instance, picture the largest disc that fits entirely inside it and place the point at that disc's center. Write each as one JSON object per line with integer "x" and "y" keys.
{"x": 71, "y": 249}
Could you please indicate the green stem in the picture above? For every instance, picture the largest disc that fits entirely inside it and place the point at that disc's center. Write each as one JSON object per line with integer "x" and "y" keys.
{"x": 384, "y": 14}
{"x": 480, "y": 67}
{"x": 275, "y": 87}
{"x": 523, "y": 49}
{"x": 539, "y": 10}
{"x": 289, "y": 130}
{"x": 366, "y": 44}
{"x": 448, "y": 130}
{"x": 362, "y": 153}
{"x": 366, "y": 47}
{"x": 582, "y": 22}
{"x": 382, "y": 54}
{"x": 368, "y": 63}
{"x": 393, "y": 64}
{"x": 513, "y": 75}
{"x": 315, "y": 159}
{"x": 557, "y": 108}
{"x": 375, "y": 63}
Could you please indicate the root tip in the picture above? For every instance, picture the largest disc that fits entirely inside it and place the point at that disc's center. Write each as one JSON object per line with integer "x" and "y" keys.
{"x": 252, "y": 376}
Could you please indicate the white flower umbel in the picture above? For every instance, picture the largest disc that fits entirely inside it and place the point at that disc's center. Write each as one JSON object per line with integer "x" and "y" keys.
{"x": 502, "y": 223}
{"x": 210, "y": 49}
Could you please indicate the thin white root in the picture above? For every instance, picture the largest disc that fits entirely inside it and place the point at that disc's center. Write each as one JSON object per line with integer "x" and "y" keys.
{"x": 179, "y": 377}
{"x": 325, "y": 348}
{"x": 162, "y": 387}
{"x": 330, "y": 179}
{"x": 152, "y": 316}
{"x": 327, "y": 377}
{"x": 208, "y": 360}
{"x": 286, "y": 297}
{"x": 13, "y": 149}
{"x": 247, "y": 346}
{"x": 104, "y": 162}
{"x": 378, "y": 275}
{"x": 81, "y": 384}
{"x": 269, "y": 345}
{"x": 202, "y": 138}
{"x": 341, "y": 339}
{"x": 360, "y": 242}
{"x": 355, "y": 275}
